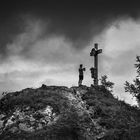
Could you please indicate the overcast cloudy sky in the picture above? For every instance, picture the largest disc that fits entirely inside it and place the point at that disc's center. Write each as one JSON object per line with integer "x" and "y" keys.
{"x": 43, "y": 42}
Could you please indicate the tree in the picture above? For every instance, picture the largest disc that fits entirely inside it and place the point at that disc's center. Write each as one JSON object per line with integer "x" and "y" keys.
{"x": 134, "y": 88}
{"x": 107, "y": 84}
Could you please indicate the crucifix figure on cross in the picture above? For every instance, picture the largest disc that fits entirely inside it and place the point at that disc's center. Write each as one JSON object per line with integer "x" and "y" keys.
{"x": 94, "y": 70}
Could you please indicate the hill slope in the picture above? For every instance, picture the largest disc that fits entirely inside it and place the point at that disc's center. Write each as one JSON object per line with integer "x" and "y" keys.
{"x": 61, "y": 113}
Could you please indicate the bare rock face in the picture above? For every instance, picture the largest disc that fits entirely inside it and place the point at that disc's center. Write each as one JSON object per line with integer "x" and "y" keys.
{"x": 61, "y": 113}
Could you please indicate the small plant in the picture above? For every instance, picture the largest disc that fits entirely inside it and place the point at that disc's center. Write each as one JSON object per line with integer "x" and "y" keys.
{"x": 107, "y": 84}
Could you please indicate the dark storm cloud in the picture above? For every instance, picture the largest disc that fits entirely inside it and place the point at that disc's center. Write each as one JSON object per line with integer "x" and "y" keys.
{"x": 78, "y": 21}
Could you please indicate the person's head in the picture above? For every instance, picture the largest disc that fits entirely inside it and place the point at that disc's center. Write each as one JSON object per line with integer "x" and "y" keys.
{"x": 91, "y": 68}
{"x": 81, "y": 65}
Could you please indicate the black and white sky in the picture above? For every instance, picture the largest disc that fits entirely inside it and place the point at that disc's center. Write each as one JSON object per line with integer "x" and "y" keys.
{"x": 44, "y": 41}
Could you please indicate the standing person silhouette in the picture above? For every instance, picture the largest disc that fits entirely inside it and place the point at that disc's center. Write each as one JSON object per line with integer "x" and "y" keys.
{"x": 81, "y": 74}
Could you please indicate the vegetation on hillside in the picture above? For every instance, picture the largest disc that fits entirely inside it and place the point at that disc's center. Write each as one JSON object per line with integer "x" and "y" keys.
{"x": 108, "y": 85}
{"x": 134, "y": 88}
{"x": 61, "y": 113}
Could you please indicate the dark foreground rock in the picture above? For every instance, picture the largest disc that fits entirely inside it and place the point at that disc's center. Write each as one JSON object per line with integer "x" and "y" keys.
{"x": 61, "y": 113}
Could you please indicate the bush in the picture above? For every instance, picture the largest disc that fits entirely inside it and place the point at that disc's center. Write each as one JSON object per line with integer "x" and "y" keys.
{"x": 134, "y": 88}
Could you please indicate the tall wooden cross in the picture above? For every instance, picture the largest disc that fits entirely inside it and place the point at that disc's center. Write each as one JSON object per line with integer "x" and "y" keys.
{"x": 94, "y": 52}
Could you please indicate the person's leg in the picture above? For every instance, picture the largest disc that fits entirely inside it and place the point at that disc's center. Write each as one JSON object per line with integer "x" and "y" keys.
{"x": 80, "y": 80}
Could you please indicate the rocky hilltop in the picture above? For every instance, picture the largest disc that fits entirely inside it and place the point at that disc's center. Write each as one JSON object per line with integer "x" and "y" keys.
{"x": 61, "y": 113}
